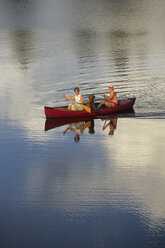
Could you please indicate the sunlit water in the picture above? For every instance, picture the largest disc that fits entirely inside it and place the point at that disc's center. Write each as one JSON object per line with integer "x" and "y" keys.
{"x": 107, "y": 189}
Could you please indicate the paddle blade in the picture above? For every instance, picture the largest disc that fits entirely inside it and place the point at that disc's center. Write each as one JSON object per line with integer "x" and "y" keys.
{"x": 86, "y": 108}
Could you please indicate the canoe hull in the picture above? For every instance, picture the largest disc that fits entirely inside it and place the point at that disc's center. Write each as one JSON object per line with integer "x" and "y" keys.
{"x": 62, "y": 112}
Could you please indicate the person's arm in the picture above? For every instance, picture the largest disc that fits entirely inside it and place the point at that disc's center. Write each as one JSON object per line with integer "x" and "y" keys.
{"x": 85, "y": 125}
{"x": 69, "y": 128}
{"x": 112, "y": 96}
{"x": 70, "y": 99}
{"x": 106, "y": 97}
{"x": 105, "y": 125}
{"x": 82, "y": 99}
{"x": 64, "y": 132}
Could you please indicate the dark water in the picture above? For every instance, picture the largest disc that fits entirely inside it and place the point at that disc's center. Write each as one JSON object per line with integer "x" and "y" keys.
{"x": 107, "y": 189}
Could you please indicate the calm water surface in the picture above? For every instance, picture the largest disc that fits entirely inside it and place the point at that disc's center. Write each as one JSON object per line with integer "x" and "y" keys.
{"x": 107, "y": 189}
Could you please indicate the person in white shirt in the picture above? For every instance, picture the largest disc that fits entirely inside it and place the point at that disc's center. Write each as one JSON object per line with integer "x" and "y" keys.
{"x": 77, "y": 98}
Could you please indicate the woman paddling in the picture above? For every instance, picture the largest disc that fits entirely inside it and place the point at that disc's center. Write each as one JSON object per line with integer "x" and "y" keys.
{"x": 77, "y": 98}
{"x": 111, "y": 101}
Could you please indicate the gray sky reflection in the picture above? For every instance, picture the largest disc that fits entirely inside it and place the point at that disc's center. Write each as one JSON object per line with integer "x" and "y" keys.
{"x": 132, "y": 179}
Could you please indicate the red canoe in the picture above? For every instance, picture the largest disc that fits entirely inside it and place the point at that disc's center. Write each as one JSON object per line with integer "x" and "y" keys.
{"x": 63, "y": 112}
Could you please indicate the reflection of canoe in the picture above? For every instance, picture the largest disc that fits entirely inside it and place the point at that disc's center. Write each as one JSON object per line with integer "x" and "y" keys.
{"x": 61, "y": 112}
{"x": 53, "y": 123}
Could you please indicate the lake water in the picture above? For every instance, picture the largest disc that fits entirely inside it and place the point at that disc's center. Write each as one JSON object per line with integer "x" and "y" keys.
{"x": 107, "y": 189}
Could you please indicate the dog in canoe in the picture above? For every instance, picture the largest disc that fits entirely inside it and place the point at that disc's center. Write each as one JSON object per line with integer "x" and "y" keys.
{"x": 91, "y": 101}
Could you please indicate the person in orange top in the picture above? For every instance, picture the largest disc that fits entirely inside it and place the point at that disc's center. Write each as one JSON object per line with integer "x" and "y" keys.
{"x": 111, "y": 100}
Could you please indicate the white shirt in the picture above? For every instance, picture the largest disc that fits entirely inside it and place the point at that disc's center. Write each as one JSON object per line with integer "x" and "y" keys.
{"x": 78, "y": 99}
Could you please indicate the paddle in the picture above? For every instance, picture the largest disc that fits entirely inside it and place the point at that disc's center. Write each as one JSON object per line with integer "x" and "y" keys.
{"x": 83, "y": 106}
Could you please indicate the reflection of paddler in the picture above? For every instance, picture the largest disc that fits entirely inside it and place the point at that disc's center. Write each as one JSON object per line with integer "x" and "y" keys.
{"x": 78, "y": 128}
{"x": 112, "y": 125}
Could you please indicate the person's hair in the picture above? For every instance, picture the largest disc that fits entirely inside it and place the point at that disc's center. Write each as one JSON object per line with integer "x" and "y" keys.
{"x": 76, "y": 88}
